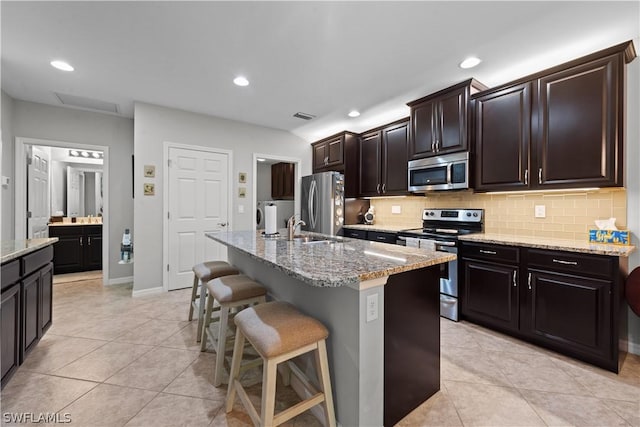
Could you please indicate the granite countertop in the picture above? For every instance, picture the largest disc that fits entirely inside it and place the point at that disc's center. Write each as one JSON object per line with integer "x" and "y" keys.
{"x": 12, "y": 249}
{"x": 343, "y": 263}
{"x": 66, "y": 224}
{"x": 382, "y": 228}
{"x": 550, "y": 243}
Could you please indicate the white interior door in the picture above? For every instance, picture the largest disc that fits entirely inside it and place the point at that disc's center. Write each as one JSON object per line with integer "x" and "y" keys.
{"x": 73, "y": 191}
{"x": 198, "y": 204}
{"x": 38, "y": 191}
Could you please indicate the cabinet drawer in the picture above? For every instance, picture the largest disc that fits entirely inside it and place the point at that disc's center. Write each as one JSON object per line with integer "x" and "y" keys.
{"x": 378, "y": 236}
{"x": 65, "y": 230}
{"x": 10, "y": 273}
{"x": 491, "y": 252}
{"x": 92, "y": 229}
{"x": 354, "y": 234}
{"x": 571, "y": 262}
{"x": 36, "y": 260}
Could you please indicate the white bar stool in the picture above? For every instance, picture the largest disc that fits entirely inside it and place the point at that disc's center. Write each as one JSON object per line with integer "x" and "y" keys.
{"x": 279, "y": 332}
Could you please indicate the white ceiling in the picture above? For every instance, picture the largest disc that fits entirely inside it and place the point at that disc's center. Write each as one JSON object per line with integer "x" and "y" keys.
{"x": 322, "y": 58}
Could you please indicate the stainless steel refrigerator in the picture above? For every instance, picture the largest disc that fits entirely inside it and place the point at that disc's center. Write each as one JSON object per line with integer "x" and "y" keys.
{"x": 322, "y": 207}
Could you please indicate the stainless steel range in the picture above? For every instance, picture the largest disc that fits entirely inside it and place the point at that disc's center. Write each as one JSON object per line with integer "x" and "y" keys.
{"x": 440, "y": 231}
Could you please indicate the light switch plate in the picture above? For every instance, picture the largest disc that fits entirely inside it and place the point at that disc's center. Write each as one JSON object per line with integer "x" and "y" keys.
{"x": 5, "y": 181}
{"x": 540, "y": 211}
{"x": 396, "y": 209}
{"x": 240, "y": 208}
{"x": 372, "y": 307}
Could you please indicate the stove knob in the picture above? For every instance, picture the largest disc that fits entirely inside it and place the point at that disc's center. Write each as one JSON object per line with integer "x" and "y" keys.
{"x": 431, "y": 213}
{"x": 475, "y": 214}
{"x": 469, "y": 214}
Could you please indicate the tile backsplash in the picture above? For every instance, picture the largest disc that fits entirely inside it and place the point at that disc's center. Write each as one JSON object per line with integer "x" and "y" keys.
{"x": 569, "y": 214}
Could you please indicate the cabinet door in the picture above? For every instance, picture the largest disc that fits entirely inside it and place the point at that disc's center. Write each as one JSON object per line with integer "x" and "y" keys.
{"x": 370, "y": 164}
{"x": 334, "y": 152}
{"x": 67, "y": 251}
{"x": 423, "y": 130}
{"x": 46, "y": 300}
{"x": 580, "y": 133}
{"x": 490, "y": 294}
{"x": 502, "y": 139}
{"x": 452, "y": 122}
{"x": 394, "y": 159}
{"x": 10, "y": 331}
{"x": 31, "y": 330}
{"x": 570, "y": 312}
{"x": 92, "y": 256}
{"x": 320, "y": 157}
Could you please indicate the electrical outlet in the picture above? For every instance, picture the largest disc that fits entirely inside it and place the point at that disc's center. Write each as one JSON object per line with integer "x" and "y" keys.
{"x": 540, "y": 211}
{"x": 396, "y": 209}
{"x": 372, "y": 307}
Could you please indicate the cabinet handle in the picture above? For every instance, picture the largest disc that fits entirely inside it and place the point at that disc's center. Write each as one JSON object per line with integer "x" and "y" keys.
{"x": 380, "y": 238}
{"x": 378, "y": 188}
{"x": 559, "y": 261}
{"x": 526, "y": 177}
{"x": 515, "y": 280}
{"x": 433, "y": 146}
{"x": 326, "y": 160}
{"x": 89, "y": 239}
{"x": 529, "y": 281}
{"x": 384, "y": 187}
{"x": 80, "y": 240}
{"x": 482, "y": 251}
{"x": 539, "y": 175}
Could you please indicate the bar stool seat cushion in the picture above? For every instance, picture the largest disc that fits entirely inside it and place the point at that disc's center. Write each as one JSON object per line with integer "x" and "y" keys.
{"x": 238, "y": 287}
{"x": 210, "y": 269}
{"x": 277, "y": 327}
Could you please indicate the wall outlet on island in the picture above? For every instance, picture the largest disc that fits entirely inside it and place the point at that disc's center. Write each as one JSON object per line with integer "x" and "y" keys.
{"x": 372, "y": 307}
{"x": 396, "y": 209}
{"x": 540, "y": 211}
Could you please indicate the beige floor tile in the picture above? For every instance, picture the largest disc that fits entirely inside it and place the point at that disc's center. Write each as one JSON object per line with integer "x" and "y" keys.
{"x": 111, "y": 328}
{"x": 536, "y": 372}
{"x": 155, "y": 370}
{"x": 486, "y": 405}
{"x": 104, "y": 361}
{"x": 171, "y": 410}
{"x": 568, "y": 410}
{"x": 53, "y": 352}
{"x": 185, "y": 338}
{"x": 108, "y": 405}
{"x": 197, "y": 380}
{"x": 38, "y": 393}
{"x": 470, "y": 365}
{"x": 630, "y": 411}
{"x": 437, "y": 411}
{"x": 458, "y": 338}
{"x": 603, "y": 384}
{"x": 152, "y": 332}
{"x": 495, "y": 341}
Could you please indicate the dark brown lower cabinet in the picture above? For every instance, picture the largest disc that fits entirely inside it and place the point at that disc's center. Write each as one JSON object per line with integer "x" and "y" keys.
{"x": 79, "y": 247}
{"x": 565, "y": 301}
{"x": 27, "y": 284}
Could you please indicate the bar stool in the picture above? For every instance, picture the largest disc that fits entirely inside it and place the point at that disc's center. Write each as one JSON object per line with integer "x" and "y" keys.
{"x": 202, "y": 273}
{"x": 279, "y": 332}
{"x": 232, "y": 293}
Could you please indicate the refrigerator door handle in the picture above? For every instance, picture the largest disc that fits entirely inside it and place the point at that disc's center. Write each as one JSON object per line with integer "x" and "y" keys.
{"x": 312, "y": 204}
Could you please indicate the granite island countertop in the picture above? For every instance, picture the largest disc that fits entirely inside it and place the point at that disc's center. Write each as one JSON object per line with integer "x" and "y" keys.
{"x": 345, "y": 262}
{"x": 12, "y": 249}
{"x": 550, "y": 243}
{"x": 380, "y": 228}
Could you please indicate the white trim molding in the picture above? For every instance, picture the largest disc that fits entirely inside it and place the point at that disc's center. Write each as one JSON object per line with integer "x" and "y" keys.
{"x": 150, "y": 291}
{"x": 120, "y": 280}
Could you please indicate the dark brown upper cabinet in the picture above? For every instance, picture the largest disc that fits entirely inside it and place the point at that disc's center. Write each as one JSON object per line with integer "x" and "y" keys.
{"x": 559, "y": 128}
{"x": 339, "y": 153}
{"x": 383, "y": 160}
{"x": 282, "y": 181}
{"x": 439, "y": 122}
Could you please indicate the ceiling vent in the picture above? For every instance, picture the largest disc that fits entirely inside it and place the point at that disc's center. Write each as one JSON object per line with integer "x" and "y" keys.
{"x": 87, "y": 103}
{"x": 304, "y": 116}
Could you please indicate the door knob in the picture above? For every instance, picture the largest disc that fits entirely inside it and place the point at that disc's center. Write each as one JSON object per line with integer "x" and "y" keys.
{"x": 222, "y": 224}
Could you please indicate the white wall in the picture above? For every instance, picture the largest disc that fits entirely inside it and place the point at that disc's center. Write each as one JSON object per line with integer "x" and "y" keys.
{"x": 155, "y": 125}
{"x": 41, "y": 121}
{"x": 632, "y": 157}
{"x": 8, "y": 229}
{"x": 263, "y": 183}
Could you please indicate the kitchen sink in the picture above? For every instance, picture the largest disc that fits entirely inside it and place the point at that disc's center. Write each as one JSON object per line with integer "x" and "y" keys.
{"x": 314, "y": 240}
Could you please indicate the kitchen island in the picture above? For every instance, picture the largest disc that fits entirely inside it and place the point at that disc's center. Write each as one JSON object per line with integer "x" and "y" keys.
{"x": 380, "y": 303}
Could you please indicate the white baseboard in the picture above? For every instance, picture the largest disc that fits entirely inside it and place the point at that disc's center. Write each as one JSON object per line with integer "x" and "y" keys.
{"x": 120, "y": 280}
{"x": 634, "y": 347}
{"x": 149, "y": 291}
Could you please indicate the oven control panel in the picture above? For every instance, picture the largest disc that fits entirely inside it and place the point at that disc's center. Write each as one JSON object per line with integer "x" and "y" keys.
{"x": 461, "y": 215}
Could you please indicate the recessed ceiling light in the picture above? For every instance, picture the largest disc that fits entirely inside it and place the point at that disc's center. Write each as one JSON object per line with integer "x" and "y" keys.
{"x": 470, "y": 62}
{"x": 354, "y": 113}
{"x": 61, "y": 65}
{"x": 241, "y": 81}
{"x": 260, "y": 160}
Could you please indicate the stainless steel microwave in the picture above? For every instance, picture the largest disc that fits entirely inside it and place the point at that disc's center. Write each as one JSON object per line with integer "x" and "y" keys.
{"x": 446, "y": 172}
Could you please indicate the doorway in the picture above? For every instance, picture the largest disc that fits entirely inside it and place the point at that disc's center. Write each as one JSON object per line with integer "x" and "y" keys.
{"x": 42, "y": 170}
{"x": 263, "y": 191}
{"x": 197, "y": 200}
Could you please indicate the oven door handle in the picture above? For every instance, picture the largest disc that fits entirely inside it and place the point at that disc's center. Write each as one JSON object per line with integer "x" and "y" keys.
{"x": 443, "y": 243}
{"x": 449, "y": 179}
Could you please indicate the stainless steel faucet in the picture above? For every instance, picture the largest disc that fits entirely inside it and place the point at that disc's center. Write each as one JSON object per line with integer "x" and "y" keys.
{"x": 292, "y": 225}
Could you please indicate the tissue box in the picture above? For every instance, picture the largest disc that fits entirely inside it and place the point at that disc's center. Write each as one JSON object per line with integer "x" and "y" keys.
{"x": 614, "y": 237}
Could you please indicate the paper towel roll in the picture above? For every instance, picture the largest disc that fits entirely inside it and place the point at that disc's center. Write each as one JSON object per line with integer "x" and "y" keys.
{"x": 270, "y": 219}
